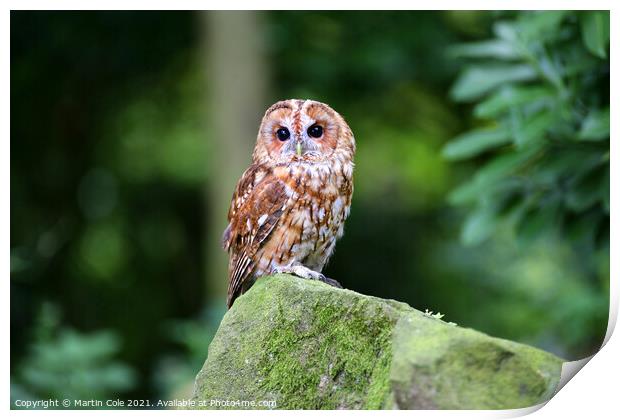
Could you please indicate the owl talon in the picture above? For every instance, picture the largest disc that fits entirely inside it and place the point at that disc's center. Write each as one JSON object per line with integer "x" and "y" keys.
{"x": 299, "y": 271}
{"x": 305, "y": 273}
{"x": 332, "y": 282}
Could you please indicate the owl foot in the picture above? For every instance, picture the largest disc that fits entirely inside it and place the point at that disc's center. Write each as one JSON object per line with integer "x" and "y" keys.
{"x": 305, "y": 273}
{"x": 299, "y": 271}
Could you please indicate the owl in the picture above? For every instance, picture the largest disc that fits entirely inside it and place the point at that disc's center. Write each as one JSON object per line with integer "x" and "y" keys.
{"x": 289, "y": 206}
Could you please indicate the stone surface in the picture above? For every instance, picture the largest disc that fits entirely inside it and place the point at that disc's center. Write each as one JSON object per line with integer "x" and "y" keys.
{"x": 307, "y": 345}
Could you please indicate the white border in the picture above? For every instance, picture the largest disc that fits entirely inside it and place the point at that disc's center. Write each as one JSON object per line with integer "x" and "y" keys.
{"x": 593, "y": 394}
{"x": 310, "y": 5}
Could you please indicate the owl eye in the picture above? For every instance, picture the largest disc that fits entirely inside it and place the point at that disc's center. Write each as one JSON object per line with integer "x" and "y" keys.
{"x": 283, "y": 134}
{"x": 315, "y": 131}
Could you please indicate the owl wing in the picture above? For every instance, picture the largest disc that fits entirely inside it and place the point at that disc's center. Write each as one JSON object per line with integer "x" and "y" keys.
{"x": 258, "y": 203}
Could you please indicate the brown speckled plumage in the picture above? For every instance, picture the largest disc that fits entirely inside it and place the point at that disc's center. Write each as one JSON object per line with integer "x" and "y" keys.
{"x": 290, "y": 205}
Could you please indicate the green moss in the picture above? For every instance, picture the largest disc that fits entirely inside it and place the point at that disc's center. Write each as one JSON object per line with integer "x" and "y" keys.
{"x": 336, "y": 355}
{"x": 308, "y": 345}
{"x": 456, "y": 368}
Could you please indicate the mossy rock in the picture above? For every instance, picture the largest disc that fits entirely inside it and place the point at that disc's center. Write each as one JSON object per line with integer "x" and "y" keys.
{"x": 304, "y": 344}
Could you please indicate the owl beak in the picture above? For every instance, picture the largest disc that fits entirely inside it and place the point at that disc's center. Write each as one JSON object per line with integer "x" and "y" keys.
{"x": 298, "y": 148}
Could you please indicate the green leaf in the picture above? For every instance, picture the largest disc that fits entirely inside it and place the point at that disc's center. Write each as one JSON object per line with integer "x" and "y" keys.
{"x": 540, "y": 25}
{"x": 564, "y": 162}
{"x": 538, "y": 221}
{"x": 468, "y": 192}
{"x": 506, "y": 30}
{"x": 493, "y": 177}
{"x": 595, "y": 126}
{"x": 589, "y": 189}
{"x": 511, "y": 96}
{"x": 499, "y": 49}
{"x": 475, "y": 82}
{"x": 506, "y": 164}
{"x": 582, "y": 227}
{"x": 475, "y": 142}
{"x": 532, "y": 129}
{"x": 578, "y": 60}
{"x": 595, "y": 32}
{"x": 604, "y": 190}
{"x": 478, "y": 226}
{"x": 552, "y": 70}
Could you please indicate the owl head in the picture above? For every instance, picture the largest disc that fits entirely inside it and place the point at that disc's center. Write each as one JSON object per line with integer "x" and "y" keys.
{"x": 298, "y": 130}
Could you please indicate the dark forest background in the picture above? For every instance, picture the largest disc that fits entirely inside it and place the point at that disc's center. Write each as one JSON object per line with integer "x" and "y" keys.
{"x": 481, "y": 190}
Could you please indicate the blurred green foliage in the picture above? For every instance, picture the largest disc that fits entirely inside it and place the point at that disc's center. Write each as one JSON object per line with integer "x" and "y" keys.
{"x": 110, "y": 152}
{"x": 66, "y": 364}
{"x": 108, "y": 160}
{"x": 541, "y": 88}
{"x": 175, "y": 372}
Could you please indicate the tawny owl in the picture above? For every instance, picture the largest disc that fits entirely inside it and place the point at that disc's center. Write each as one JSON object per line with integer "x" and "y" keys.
{"x": 289, "y": 206}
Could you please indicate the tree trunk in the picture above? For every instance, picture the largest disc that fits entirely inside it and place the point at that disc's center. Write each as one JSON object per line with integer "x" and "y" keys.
{"x": 236, "y": 77}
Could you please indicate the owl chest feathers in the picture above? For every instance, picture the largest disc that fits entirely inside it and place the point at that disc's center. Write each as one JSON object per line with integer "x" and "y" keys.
{"x": 318, "y": 202}
{"x": 286, "y": 214}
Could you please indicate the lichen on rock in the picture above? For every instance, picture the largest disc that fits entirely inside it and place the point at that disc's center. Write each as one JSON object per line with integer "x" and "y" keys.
{"x": 307, "y": 345}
